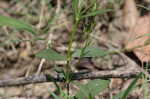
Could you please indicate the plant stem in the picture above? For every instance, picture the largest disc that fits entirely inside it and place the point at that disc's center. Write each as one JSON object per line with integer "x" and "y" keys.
{"x": 69, "y": 54}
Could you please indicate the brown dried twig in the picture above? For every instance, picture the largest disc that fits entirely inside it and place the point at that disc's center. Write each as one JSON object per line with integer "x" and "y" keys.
{"x": 122, "y": 72}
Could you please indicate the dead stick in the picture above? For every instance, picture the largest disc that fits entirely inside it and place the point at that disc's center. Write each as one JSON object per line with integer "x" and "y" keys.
{"x": 123, "y": 72}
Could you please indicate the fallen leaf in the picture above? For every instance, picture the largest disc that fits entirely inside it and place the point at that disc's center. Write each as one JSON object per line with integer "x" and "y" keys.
{"x": 137, "y": 38}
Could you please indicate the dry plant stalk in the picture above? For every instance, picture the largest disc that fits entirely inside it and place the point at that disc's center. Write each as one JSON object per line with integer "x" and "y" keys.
{"x": 137, "y": 28}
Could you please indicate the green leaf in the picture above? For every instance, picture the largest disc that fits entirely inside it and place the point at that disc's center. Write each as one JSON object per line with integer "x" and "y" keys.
{"x": 124, "y": 94}
{"x": 55, "y": 96}
{"x": 146, "y": 8}
{"x": 76, "y": 9}
{"x": 94, "y": 13}
{"x": 90, "y": 52}
{"x": 17, "y": 40}
{"x": 92, "y": 88}
{"x": 8, "y": 21}
{"x": 147, "y": 34}
{"x": 50, "y": 54}
{"x": 75, "y": 4}
{"x": 131, "y": 86}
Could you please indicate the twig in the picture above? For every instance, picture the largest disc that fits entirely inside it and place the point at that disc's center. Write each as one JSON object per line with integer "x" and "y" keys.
{"x": 123, "y": 72}
{"x": 40, "y": 66}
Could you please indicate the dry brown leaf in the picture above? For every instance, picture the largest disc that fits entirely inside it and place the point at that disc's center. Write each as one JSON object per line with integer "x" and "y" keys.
{"x": 137, "y": 36}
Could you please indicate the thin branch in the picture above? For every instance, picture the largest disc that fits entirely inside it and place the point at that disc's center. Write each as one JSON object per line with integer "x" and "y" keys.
{"x": 123, "y": 72}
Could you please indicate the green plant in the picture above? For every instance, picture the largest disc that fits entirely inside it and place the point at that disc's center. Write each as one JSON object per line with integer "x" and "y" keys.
{"x": 12, "y": 22}
{"x": 91, "y": 89}
{"x": 125, "y": 93}
{"x": 81, "y": 13}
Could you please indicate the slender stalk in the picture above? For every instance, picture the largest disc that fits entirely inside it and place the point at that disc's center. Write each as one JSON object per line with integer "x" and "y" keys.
{"x": 69, "y": 53}
{"x": 69, "y": 57}
{"x": 126, "y": 49}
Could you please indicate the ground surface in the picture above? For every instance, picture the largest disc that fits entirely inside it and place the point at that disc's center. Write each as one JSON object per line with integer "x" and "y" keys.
{"x": 53, "y": 19}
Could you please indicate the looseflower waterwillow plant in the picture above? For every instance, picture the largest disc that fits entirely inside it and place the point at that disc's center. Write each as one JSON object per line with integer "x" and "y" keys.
{"x": 83, "y": 11}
